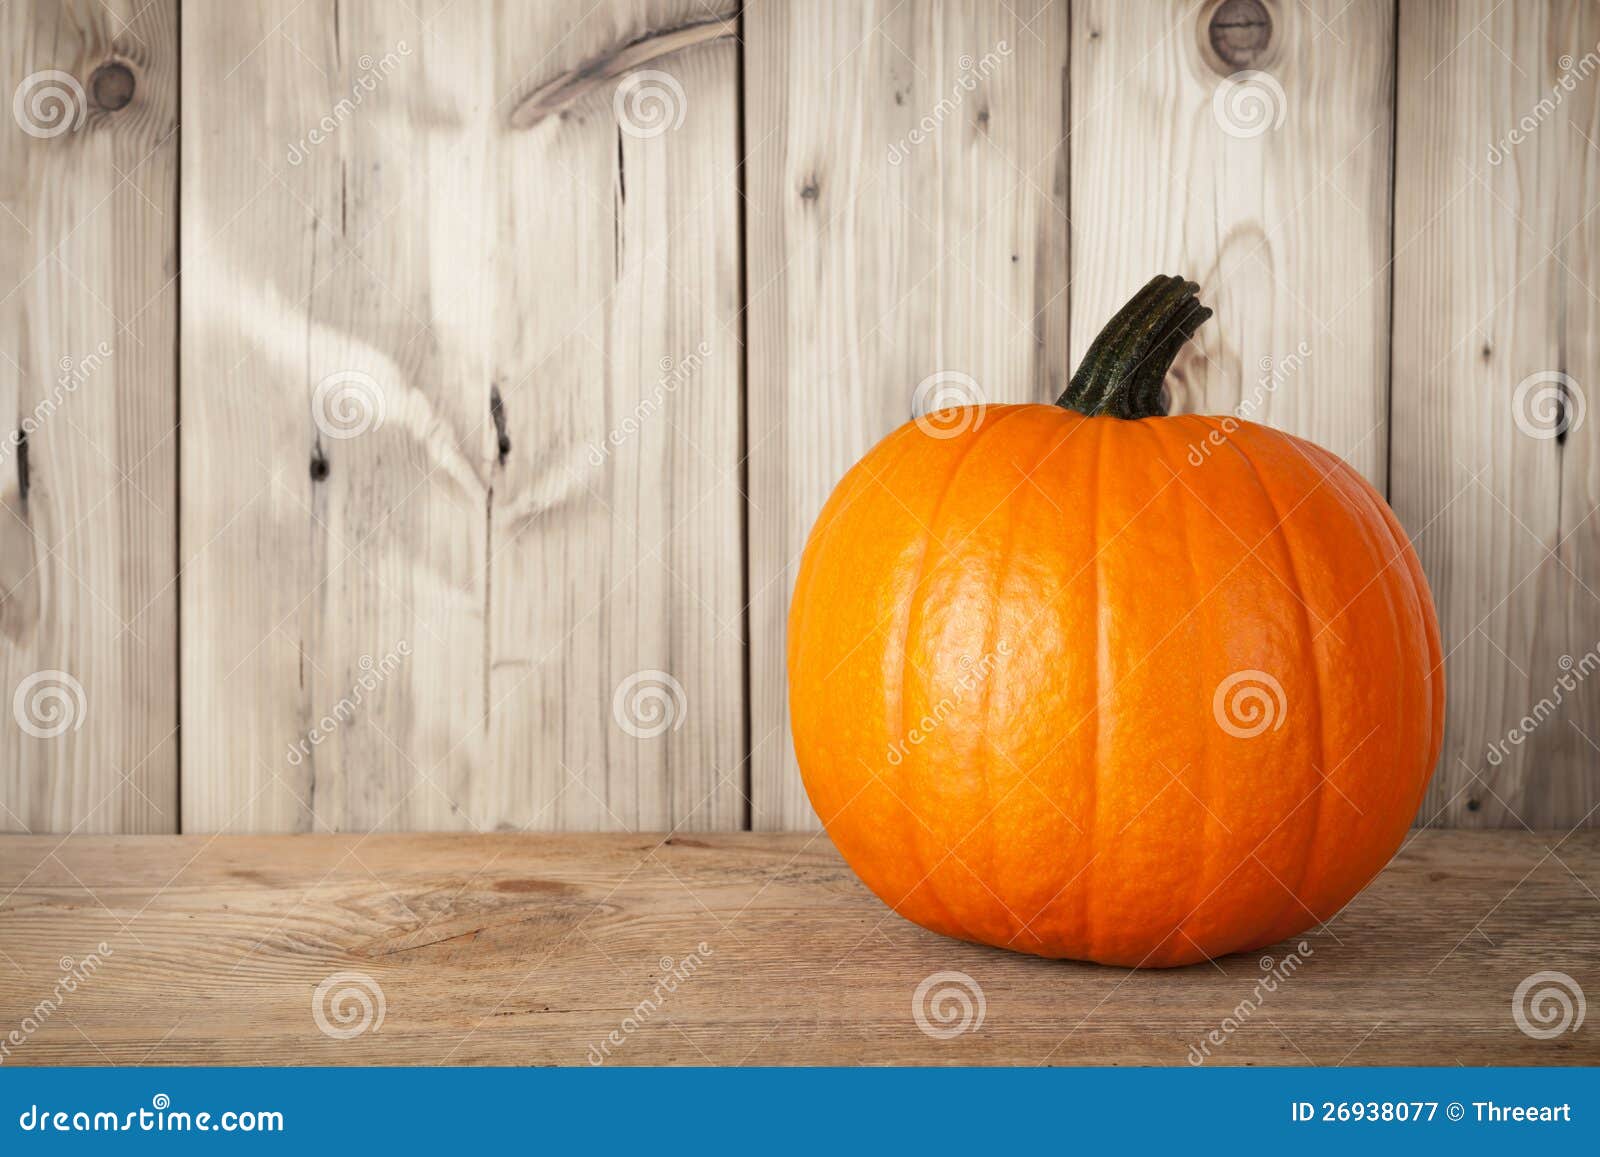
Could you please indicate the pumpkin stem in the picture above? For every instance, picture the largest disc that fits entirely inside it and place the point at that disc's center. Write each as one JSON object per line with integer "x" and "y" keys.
{"x": 1121, "y": 375}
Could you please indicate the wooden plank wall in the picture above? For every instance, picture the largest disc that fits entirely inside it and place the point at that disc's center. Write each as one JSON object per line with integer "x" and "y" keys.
{"x": 520, "y": 344}
{"x": 88, "y": 505}
{"x": 907, "y": 225}
{"x": 1497, "y": 353}
{"x": 418, "y": 441}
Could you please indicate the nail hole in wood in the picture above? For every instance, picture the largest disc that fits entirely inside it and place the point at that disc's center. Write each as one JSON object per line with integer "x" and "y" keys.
{"x": 319, "y": 465}
{"x": 112, "y": 86}
{"x": 1238, "y": 34}
{"x": 1473, "y": 805}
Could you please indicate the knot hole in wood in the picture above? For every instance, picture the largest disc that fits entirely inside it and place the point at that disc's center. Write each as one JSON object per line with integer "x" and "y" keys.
{"x": 112, "y": 85}
{"x": 1235, "y": 34}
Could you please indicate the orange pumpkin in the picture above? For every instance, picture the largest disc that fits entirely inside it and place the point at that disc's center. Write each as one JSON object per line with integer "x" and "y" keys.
{"x": 1087, "y": 680}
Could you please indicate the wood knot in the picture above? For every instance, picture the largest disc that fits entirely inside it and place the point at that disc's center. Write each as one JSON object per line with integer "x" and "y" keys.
{"x": 1239, "y": 34}
{"x": 497, "y": 414}
{"x": 20, "y": 440}
{"x": 111, "y": 85}
{"x": 809, "y": 190}
{"x": 319, "y": 464}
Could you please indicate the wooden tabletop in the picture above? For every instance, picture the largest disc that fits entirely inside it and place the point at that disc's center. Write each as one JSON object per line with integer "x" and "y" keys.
{"x": 739, "y": 948}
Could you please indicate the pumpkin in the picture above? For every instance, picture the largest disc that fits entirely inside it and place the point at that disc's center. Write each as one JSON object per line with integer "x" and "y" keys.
{"x": 1088, "y": 680}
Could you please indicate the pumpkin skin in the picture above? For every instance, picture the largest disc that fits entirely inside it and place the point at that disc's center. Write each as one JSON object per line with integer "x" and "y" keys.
{"x": 1137, "y": 691}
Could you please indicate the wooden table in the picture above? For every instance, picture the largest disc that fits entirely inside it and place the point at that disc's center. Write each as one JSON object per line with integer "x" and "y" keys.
{"x": 536, "y": 949}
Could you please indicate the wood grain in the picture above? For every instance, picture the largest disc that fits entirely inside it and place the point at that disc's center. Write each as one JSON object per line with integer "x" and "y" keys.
{"x": 432, "y": 217}
{"x": 1270, "y": 187}
{"x": 497, "y": 292}
{"x": 1497, "y": 259}
{"x": 88, "y": 658}
{"x": 534, "y": 949}
{"x": 907, "y": 197}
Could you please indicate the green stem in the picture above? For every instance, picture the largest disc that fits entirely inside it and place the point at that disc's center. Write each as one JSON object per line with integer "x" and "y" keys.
{"x": 1121, "y": 375}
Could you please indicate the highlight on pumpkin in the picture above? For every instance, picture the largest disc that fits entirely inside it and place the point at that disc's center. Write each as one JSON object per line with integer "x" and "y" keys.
{"x": 1099, "y": 699}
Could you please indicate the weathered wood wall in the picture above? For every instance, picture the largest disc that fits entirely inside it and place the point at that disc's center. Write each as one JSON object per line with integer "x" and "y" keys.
{"x": 88, "y": 416}
{"x": 515, "y": 347}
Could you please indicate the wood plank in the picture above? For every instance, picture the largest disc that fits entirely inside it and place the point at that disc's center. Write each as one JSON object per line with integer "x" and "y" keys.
{"x": 1497, "y": 259}
{"x": 495, "y": 274}
{"x": 907, "y": 195}
{"x": 1266, "y": 178}
{"x": 88, "y": 413}
{"x": 535, "y": 949}
{"x": 616, "y": 677}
